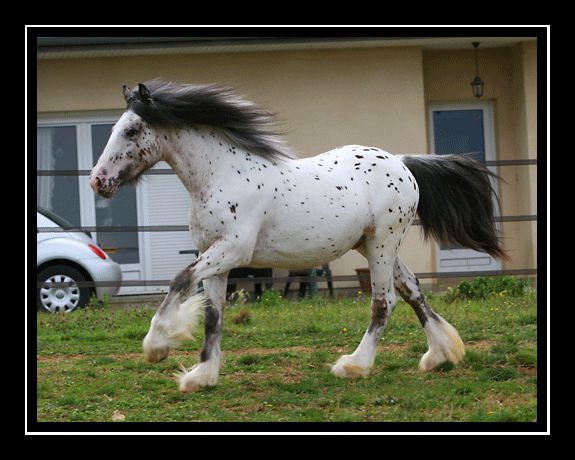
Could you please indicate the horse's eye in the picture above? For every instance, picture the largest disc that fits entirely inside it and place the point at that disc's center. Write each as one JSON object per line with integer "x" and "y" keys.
{"x": 131, "y": 132}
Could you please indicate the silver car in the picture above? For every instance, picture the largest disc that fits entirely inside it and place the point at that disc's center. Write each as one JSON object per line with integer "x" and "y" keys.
{"x": 70, "y": 257}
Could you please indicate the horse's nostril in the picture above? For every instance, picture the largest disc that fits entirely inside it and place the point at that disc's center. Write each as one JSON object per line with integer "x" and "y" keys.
{"x": 96, "y": 182}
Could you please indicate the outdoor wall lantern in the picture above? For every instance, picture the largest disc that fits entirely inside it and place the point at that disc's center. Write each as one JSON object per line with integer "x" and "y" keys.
{"x": 477, "y": 84}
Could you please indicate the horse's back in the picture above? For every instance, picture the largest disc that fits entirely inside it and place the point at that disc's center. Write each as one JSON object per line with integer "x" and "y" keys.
{"x": 324, "y": 206}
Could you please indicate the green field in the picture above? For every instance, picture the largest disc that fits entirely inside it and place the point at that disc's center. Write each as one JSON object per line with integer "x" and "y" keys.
{"x": 276, "y": 365}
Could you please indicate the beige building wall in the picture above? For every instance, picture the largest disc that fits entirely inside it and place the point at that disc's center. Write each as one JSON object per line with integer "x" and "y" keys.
{"x": 326, "y": 98}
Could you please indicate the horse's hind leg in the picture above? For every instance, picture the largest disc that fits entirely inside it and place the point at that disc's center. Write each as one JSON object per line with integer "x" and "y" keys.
{"x": 383, "y": 300}
{"x": 443, "y": 340}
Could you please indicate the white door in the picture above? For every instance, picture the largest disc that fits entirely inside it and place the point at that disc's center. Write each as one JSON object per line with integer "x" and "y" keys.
{"x": 457, "y": 128}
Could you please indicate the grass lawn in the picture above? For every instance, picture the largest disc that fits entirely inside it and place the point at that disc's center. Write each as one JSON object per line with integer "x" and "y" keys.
{"x": 276, "y": 353}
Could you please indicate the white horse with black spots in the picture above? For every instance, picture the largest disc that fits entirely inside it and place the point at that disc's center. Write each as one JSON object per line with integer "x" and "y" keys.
{"x": 254, "y": 204}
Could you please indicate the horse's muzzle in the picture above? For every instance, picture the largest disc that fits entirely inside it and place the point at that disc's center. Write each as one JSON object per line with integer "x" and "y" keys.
{"x": 104, "y": 185}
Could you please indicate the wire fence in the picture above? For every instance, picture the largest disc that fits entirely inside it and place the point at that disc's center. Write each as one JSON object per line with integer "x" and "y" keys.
{"x": 266, "y": 280}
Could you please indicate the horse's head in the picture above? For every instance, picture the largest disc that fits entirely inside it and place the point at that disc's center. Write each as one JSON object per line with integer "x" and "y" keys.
{"x": 132, "y": 148}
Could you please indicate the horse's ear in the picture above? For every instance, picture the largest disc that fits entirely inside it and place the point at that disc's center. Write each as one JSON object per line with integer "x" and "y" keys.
{"x": 144, "y": 94}
{"x": 127, "y": 92}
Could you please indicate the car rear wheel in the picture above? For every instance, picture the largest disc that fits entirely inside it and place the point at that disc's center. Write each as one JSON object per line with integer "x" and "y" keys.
{"x": 61, "y": 298}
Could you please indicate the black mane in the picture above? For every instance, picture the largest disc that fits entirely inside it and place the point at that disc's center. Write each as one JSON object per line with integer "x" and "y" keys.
{"x": 246, "y": 124}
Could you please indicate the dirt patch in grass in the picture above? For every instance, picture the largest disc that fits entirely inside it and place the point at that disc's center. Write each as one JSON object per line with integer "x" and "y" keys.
{"x": 382, "y": 348}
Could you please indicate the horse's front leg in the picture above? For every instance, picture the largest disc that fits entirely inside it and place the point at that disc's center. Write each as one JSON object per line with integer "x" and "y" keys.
{"x": 176, "y": 318}
{"x": 206, "y": 372}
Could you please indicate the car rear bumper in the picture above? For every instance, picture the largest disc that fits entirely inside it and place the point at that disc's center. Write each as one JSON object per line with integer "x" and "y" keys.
{"x": 109, "y": 272}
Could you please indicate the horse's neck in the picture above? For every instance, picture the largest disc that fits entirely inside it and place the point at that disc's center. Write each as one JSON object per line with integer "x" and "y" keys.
{"x": 199, "y": 156}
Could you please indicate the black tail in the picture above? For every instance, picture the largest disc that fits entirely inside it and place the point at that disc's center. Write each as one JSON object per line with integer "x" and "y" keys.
{"x": 456, "y": 201}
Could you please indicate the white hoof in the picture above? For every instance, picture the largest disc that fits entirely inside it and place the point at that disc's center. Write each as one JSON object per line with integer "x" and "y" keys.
{"x": 348, "y": 367}
{"x": 444, "y": 344}
{"x": 199, "y": 376}
{"x": 172, "y": 328}
{"x": 156, "y": 347}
